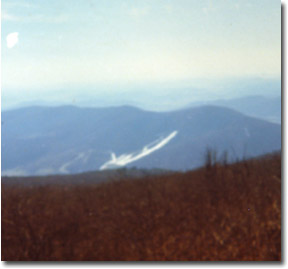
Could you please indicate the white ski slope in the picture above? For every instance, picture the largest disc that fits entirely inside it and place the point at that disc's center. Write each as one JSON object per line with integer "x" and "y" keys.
{"x": 124, "y": 159}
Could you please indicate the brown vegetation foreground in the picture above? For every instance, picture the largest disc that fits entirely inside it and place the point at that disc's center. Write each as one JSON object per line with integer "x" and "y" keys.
{"x": 221, "y": 212}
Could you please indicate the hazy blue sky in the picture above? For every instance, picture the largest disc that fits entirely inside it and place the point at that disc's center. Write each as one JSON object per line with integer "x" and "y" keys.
{"x": 93, "y": 42}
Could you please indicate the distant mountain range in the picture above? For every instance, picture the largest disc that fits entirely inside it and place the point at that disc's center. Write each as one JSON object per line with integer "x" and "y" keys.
{"x": 267, "y": 108}
{"x": 67, "y": 139}
{"x": 166, "y": 96}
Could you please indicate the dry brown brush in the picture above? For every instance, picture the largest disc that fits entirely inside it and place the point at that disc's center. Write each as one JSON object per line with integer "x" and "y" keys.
{"x": 218, "y": 213}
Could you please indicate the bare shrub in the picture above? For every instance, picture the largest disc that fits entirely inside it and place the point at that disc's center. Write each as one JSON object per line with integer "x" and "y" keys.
{"x": 176, "y": 217}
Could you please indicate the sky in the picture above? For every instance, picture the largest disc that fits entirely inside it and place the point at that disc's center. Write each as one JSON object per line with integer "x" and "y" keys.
{"x": 48, "y": 45}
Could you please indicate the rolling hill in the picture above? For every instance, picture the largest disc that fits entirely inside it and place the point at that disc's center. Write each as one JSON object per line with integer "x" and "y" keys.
{"x": 266, "y": 108}
{"x": 67, "y": 139}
